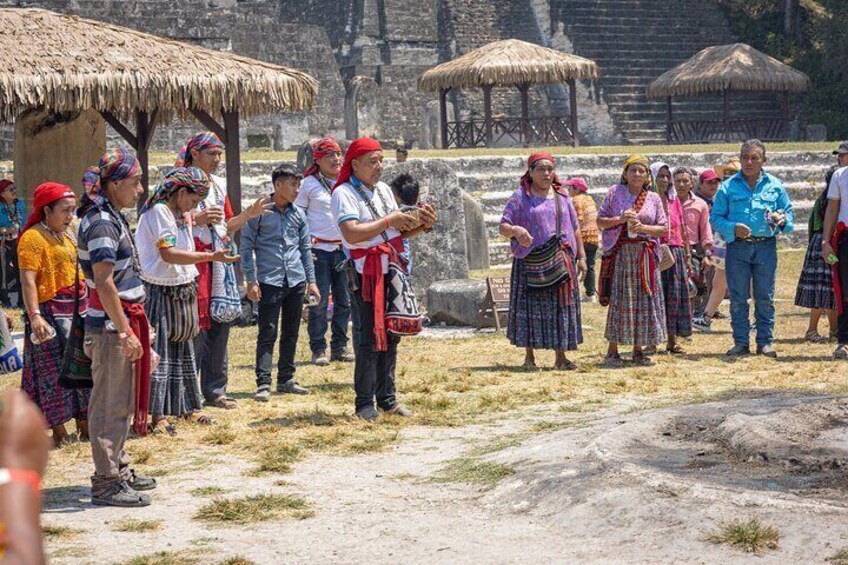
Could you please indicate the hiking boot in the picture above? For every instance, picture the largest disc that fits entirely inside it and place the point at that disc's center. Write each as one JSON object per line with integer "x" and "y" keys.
{"x": 398, "y": 410}
{"x": 841, "y": 352}
{"x": 767, "y": 350}
{"x": 291, "y": 387}
{"x": 369, "y": 414}
{"x": 738, "y": 351}
{"x": 138, "y": 482}
{"x": 702, "y": 324}
{"x": 320, "y": 359}
{"x": 121, "y": 494}
{"x": 343, "y": 356}
{"x": 263, "y": 394}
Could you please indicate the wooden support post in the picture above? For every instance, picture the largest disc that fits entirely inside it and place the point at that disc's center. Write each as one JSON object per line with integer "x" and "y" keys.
{"x": 784, "y": 103}
{"x": 209, "y": 122}
{"x": 726, "y": 117}
{"x": 525, "y": 113}
{"x": 669, "y": 120}
{"x": 231, "y": 140}
{"x": 145, "y": 125}
{"x": 572, "y": 102}
{"x": 487, "y": 113}
{"x": 443, "y": 113}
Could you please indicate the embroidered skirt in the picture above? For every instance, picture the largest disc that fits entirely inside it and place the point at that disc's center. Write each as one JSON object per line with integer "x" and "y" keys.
{"x": 678, "y": 307}
{"x": 634, "y": 317}
{"x": 43, "y": 362}
{"x": 174, "y": 390}
{"x": 815, "y": 286}
{"x": 540, "y": 318}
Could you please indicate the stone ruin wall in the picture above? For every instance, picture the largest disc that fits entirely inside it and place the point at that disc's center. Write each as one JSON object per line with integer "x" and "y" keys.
{"x": 375, "y": 49}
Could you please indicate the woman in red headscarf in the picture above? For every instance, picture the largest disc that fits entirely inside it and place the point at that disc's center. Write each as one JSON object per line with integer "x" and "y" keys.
{"x": 548, "y": 262}
{"x": 47, "y": 254}
{"x": 12, "y": 214}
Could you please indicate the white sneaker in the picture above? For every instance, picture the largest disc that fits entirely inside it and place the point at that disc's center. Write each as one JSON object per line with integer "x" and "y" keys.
{"x": 702, "y": 324}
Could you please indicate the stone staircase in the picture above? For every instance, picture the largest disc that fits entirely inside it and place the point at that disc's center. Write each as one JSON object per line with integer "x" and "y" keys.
{"x": 631, "y": 56}
{"x": 492, "y": 180}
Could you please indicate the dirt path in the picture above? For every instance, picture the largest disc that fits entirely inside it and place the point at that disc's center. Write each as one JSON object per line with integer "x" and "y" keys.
{"x": 579, "y": 494}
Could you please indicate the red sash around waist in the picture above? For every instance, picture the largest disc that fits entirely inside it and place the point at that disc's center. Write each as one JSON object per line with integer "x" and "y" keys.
{"x": 834, "y": 269}
{"x": 373, "y": 287}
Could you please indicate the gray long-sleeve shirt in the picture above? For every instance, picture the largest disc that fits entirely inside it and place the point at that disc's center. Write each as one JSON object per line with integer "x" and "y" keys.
{"x": 276, "y": 248}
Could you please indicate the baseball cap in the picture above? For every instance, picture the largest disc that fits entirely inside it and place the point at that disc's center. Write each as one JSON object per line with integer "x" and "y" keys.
{"x": 708, "y": 175}
{"x": 843, "y": 148}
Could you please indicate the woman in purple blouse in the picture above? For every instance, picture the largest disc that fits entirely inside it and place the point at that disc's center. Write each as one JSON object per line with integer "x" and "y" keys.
{"x": 547, "y": 318}
{"x": 633, "y": 220}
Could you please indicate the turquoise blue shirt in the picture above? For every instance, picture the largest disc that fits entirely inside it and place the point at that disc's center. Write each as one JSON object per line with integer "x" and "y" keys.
{"x": 735, "y": 203}
{"x": 17, "y": 208}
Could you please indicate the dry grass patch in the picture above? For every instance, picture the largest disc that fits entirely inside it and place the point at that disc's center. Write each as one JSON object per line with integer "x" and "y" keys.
{"x": 253, "y": 509}
{"x": 164, "y": 558}
{"x": 208, "y": 491}
{"x": 220, "y": 435}
{"x": 237, "y": 560}
{"x": 751, "y": 536}
{"x": 473, "y": 470}
{"x": 137, "y": 526}
{"x": 839, "y": 558}
{"x": 60, "y": 532}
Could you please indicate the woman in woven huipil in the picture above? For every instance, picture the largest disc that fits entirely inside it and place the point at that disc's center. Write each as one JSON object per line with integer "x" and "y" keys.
{"x": 632, "y": 219}
{"x": 543, "y": 318}
{"x": 167, "y": 256}
{"x": 587, "y": 217}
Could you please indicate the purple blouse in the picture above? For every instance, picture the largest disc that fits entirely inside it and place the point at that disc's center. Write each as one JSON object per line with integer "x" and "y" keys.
{"x": 618, "y": 200}
{"x": 537, "y": 215}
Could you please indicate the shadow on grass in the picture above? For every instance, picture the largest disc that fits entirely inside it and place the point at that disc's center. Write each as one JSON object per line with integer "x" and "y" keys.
{"x": 64, "y": 500}
{"x": 302, "y": 419}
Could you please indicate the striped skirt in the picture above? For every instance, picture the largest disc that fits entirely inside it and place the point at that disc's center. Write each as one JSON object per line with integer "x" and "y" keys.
{"x": 678, "y": 307}
{"x": 43, "y": 362}
{"x": 174, "y": 390}
{"x": 539, "y": 318}
{"x": 634, "y": 317}
{"x": 815, "y": 286}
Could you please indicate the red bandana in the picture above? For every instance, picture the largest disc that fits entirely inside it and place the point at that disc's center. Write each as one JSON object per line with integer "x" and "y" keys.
{"x": 357, "y": 149}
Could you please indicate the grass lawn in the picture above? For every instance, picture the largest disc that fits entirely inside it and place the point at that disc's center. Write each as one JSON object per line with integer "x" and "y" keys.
{"x": 456, "y": 382}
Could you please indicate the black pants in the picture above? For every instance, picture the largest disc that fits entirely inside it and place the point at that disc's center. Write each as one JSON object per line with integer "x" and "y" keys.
{"x": 278, "y": 308}
{"x": 589, "y": 281}
{"x": 842, "y": 253}
{"x": 374, "y": 374}
{"x": 211, "y": 359}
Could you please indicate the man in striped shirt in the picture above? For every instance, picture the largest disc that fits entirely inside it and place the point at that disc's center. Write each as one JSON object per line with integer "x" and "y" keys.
{"x": 117, "y": 332}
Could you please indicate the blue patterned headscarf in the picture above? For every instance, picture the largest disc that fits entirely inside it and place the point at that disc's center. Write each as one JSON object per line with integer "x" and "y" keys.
{"x": 115, "y": 165}
{"x": 190, "y": 178}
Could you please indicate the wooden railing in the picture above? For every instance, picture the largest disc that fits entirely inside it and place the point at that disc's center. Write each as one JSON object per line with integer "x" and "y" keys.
{"x": 734, "y": 129}
{"x": 545, "y": 130}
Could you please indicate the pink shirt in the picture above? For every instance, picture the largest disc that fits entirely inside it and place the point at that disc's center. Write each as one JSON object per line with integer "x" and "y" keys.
{"x": 674, "y": 235}
{"x": 696, "y": 215}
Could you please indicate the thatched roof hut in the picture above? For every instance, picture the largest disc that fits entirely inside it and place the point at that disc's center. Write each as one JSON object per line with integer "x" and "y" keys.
{"x": 507, "y": 63}
{"x": 737, "y": 67}
{"x": 58, "y": 64}
{"x": 510, "y": 62}
{"x": 66, "y": 63}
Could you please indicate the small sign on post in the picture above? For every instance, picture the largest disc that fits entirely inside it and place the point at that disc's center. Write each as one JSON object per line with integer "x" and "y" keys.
{"x": 496, "y": 302}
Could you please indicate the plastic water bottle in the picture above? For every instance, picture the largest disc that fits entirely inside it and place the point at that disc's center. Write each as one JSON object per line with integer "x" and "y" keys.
{"x": 36, "y": 341}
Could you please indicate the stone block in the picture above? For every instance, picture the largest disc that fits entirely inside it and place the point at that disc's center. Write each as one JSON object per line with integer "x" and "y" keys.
{"x": 476, "y": 234}
{"x": 456, "y": 302}
{"x": 440, "y": 254}
{"x": 73, "y": 141}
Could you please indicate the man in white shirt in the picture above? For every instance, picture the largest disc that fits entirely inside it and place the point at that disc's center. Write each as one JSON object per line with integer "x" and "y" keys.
{"x": 835, "y": 243}
{"x": 314, "y": 200}
{"x": 372, "y": 227}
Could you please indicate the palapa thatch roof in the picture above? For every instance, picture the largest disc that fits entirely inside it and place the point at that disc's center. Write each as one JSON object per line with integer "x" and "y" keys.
{"x": 728, "y": 67}
{"x": 66, "y": 63}
{"x": 510, "y": 62}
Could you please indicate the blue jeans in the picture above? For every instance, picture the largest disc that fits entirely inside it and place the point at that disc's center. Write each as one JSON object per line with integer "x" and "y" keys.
{"x": 327, "y": 278}
{"x": 747, "y": 263}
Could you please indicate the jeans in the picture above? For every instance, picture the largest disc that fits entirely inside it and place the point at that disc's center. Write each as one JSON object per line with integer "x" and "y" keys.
{"x": 747, "y": 263}
{"x": 589, "y": 281}
{"x": 210, "y": 350}
{"x": 278, "y": 306}
{"x": 374, "y": 373}
{"x": 842, "y": 321}
{"x": 327, "y": 277}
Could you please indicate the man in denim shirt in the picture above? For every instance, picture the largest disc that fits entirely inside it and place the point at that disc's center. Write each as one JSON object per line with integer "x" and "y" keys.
{"x": 750, "y": 209}
{"x": 276, "y": 260}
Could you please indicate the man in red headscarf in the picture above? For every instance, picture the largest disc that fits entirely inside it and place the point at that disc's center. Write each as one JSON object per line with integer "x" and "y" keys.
{"x": 372, "y": 229}
{"x": 314, "y": 200}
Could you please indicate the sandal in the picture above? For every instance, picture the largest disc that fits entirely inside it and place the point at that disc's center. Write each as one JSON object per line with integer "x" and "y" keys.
{"x": 613, "y": 361}
{"x": 163, "y": 426}
{"x": 566, "y": 365}
{"x": 642, "y": 360}
{"x": 199, "y": 418}
{"x": 676, "y": 350}
{"x": 223, "y": 402}
{"x": 814, "y": 337}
